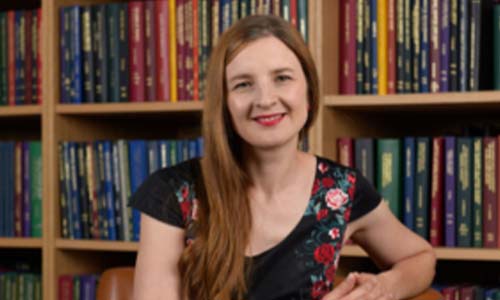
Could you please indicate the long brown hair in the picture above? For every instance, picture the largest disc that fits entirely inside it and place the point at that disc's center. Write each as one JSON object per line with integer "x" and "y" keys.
{"x": 213, "y": 267}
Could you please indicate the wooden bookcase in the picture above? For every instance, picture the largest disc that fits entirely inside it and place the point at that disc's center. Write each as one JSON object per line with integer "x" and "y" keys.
{"x": 379, "y": 116}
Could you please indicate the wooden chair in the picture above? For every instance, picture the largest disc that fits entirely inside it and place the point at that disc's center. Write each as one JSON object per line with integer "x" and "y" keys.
{"x": 116, "y": 284}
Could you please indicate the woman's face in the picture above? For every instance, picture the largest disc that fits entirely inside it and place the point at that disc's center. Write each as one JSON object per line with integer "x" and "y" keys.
{"x": 267, "y": 94}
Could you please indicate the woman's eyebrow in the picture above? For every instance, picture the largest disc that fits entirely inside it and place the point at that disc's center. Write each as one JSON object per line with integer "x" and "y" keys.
{"x": 239, "y": 77}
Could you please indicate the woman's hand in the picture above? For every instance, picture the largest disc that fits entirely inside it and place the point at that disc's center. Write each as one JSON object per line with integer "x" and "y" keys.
{"x": 360, "y": 286}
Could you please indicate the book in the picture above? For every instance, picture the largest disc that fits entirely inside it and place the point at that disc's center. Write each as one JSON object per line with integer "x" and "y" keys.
{"x": 464, "y": 192}
{"x": 389, "y": 173}
{"x": 409, "y": 182}
{"x": 422, "y": 184}
{"x": 450, "y": 192}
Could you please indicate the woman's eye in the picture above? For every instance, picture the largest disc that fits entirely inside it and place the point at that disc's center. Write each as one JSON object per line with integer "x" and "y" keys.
{"x": 283, "y": 78}
{"x": 242, "y": 85}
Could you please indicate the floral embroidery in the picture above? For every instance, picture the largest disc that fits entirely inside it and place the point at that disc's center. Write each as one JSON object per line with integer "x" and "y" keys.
{"x": 330, "y": 205}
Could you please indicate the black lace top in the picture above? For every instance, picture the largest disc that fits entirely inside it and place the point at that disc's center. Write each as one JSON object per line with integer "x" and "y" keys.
{"x": 303, "y": 264}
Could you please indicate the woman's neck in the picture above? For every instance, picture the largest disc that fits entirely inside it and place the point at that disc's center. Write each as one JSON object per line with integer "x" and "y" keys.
{"x": 274, "y": 170}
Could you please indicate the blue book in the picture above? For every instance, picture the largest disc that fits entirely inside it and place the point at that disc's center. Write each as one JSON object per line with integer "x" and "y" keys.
{"x": 100, "y": 175}
{"x": 76, "y": 55}
{"x": 201, "y": 147}
{"x": 75, "y": 195}
{"x": 373, "y": 47}
{"x": 3, "y": 189}
{"x": 193, "y": 151}
{"x": 88, "y": 285}
{"x": 364, "y": 161}
{"x": 463, "y": 45}
{"x": 19, "y": 57}
{"x": 138, "y": 173}
{"x": 109, "y": 190}
{"x": 163, "y": 151}
{"x": 117, "y": 191}
{"x": 84, "y": 202}
{"x": 174, "y": 156}
{"x": 409, "y": 182}
{"x": 444, "y": 58}
{"x": 64, "y": 29}
{"x": 225, "y": 15}
{"x": 449, "y": 191}
{"x": 424, "y": 46}
{"x": 153, "y": 156}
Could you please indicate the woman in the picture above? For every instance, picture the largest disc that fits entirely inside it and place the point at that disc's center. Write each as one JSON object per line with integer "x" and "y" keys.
{"x": 256, "y": 218}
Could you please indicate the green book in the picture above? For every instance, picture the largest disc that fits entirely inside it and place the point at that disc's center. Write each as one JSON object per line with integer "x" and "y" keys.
{"x": 35, "y": 153}
{"x": 496, "y": 47}
{"x": 464, "y": 192}
{"x": 389, "y": 173}
{"x": 477, "y": 184}
{"x": 76, "y": 287}
{"x": 422, "y": 184}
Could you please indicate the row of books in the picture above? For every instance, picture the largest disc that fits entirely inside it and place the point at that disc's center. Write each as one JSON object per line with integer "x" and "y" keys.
{"x": 20, "y": 63}
{"x": 470, "y": 292}
{"x": 443, "y": 188}
{"x": 417, "y": 46}
{"x": 98, "y": 178}
{"x": 154, "y": 50}
{"x": 20, "y": 286}
{"x": 77, "y": 287}
{"x": 20, "y": 189}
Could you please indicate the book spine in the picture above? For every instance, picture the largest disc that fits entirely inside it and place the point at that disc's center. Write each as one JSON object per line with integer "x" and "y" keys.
{"x": 27, "y": 195}
{"x": 409, "y": 182}
{"x": 475, "y": 44}
{"x": 162, "y": 20}
{"x": 63, "y": 201}
{"x": 346, "y": 151}
{"x": 436, "y": 217}
{"x": 302, "y": 21}
{"x": 454, "y": 43}
{"x": 444, "y": 42}
{"x": 381, "y": 46}
{"x": 364, "y": 158}
{"x": 490, "y": 190}
{"x": 415, "y": 46}
{"x": 293, "y": 13}
{"x": 28, "y": 57}
{"x": 374, "y": 36}
{"x": 435, "y": 59}
{"x": 424, "y": 46}
{"x": 125, "y": 185}
{"x": 67, "y": 189}
{"x": 100, "y": 49}
{"x": 400, "y": 78}
{"x": 18, "y": 188}
{"x": 205, "y": 26}
{"x": 38, "y": 38}
{"x": 92, "y": 190}
{"x": 347, "y": 48}
{"x": 391, "y": 47}
{"x": 35, "y": 57}
{"x": 82, "y": 189}
{"x": 20, "y": 55}
{"x": 173, "y": 50}
{"x": 450, "y": 191}
{"x": 109, "y": 190}
{"x": 152, "y": 57}
{"x": 477, "y": 192}
{"x": 389, "y": 173}
{"x": 136, "y": 51}
{"x": 101, "y": 192}
{"x": 463, "y": 46}
{"x": 181, "y": 84}
{"x": 117, "y": 191}
{"x": 4, "y": 92}
{"x": 74, "y": 191}
{"x": 76, "y": 56}
{"x": 408, "y": 45}
{"x": 35, "y": 153}
{"x": 11, "y": 57}
{"x": 188, "y": 49}
{"x": 359, "y": 46}
{"x": 422, "y": 180}
{"x": 464, "y": 192}
{"x": 496, "y": 47}
{"x": 88, "y": 56}
{"x": 367, "y": 61}
{"x": 196, "y": 45}
{"x": 124, "y": 58}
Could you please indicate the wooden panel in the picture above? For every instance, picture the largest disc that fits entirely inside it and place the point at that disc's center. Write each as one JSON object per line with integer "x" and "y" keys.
{"x": 21, "y": 243}
{"x": 330, "y": 46}
{"x": 130, "y": 108}
{"x": 20, "y": 110}
{"x": 85, "y": 245}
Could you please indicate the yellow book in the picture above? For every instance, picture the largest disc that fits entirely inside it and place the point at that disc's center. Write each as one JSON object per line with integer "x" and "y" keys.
{"x": 173, "y": 50}
{"x": 382, "y": 46}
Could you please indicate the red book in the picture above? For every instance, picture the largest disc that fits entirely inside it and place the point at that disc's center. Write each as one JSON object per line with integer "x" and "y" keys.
{"x": 347, "y": 47}
{"x": 39, "y": 55}
{"x": 498, "y": 194}
{"x": 391, "y": 47}
{"x": 137, "y": 45}
{"x": 450, "y": 293}
{"x": 18, "y": 190}
{"x": 11, "y": 58}
{"x": 150, "y": 52}
{"x": 490, "y": 173}
{"x": 162, "y": 52}
{"x": 181, "y": 84}
{"x": 437, "y": 202}
{"x": 345, "y": 151}
{"x": 188, "y": 50}
{"x": 28, "y": 58}
{"x": 293, "y": 13}
{"x": 196, "y": 45}
{"x": 65, "y": 287}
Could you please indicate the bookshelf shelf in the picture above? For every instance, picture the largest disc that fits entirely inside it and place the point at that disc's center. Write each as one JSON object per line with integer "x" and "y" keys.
{"x": 21, "y": 243}
{"x": 19, "y": 111}
{"x": 465, "y": 254}
{"x": 86, "y": 245}
{"x": 483, "y": 100}
{"x": 129, "y": 108}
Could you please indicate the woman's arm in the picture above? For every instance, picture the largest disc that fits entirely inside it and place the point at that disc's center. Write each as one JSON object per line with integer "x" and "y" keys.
{"x": 408, "y": 260}
{"x": 156, "y": 273}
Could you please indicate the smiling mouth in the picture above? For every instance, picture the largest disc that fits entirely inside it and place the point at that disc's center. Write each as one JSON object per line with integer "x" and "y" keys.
{"x": 269, "y": 120}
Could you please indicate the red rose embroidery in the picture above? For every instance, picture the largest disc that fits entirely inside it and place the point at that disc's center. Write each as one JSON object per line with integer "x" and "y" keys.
{"x": 319, "y": 289}
{"x": 185, "y": 192}
{"x": 335, "y": 198}
{"x": 330, "y": 273}
{"x": 351, "y": 178}
{"x": 351, "y": 191}
{"x": 324, "y": 254}
{"x": 334, "y": 233}
{"x": 321, "y": 214}
{"x": 315, "y": 187}
{"x": 347, "y": 215}
{"x": 322, "y": 168}
{"x": 328, "y": 182}
{"x": 186, "y": 209}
